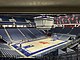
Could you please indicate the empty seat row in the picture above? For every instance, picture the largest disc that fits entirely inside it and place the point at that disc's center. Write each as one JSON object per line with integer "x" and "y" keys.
{"x": 7, "y": 18}
{"x": 9, "y": 53}
{"x": 32, "y": 33}
{"x": 60, "y": 30}
{"x": 19, "y": 19}
{"x": 4, "y": 18}
{"x": 15, "y": 34}
{"x": 18, "y": 34}
{"x": 27, "y": 33}
{"x": 14, "y": 19}
{"x": 57, "y": 29}
{"x": 6, "y": 51}
{"x": 4, "y": 46}
{"x": 73, "y": 31}
{"x": 65, "y": 30}
{"x": 4, "y": 35}
{"x": 36, "y": 32}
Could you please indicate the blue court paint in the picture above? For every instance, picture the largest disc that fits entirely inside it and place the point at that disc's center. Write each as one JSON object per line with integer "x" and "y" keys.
{"x": 27, "y": 46}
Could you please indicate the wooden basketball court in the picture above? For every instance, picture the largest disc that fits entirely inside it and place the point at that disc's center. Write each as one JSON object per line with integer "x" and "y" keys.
{"x": 38, "y": 46}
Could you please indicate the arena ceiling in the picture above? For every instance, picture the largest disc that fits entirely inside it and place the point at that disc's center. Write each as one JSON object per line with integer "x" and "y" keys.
{"x": 27, "y": 3}
{"x": 39, "y": 6}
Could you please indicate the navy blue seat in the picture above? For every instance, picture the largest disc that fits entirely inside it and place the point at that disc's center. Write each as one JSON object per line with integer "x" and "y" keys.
{"x": 4, "y": 46}
{"x": 27, "y": 33}
{"x": 6, "y": 23}
{"x": 75, "y": 31}
{"x": 65, "y": 30}
{"x": 36, "y": 32}
{"x": 56, "y": 30}
{"x": 4, "y": 35}
{"x": 41, "y": 32}
{"x": 10, "y": 53}
{"x": 21, "y": 23}
{"x": 15, "y": 34}
{"x": 19, "y": 19}
{"x": 5, "y": 18}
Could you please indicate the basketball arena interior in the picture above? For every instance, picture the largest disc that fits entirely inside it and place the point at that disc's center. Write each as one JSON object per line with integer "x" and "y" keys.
{"x": 40, "y": 36}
